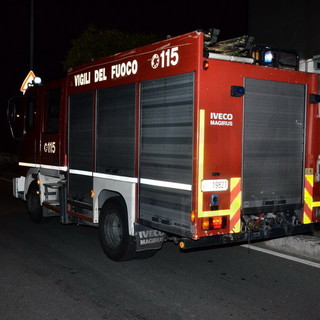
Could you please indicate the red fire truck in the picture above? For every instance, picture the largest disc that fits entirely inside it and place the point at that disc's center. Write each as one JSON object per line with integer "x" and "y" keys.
{"x": 177, "y": 140}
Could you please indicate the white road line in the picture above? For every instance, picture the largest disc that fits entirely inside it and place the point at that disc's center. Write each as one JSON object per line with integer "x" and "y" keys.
{"x": 284, "y": 256}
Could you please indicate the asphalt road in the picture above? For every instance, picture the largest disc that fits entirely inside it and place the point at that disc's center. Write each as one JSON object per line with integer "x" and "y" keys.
{"x": 53, "y": 271}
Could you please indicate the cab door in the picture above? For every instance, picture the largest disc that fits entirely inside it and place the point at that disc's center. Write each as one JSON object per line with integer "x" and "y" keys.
{"x": 29, "y": 152}
{"x": 51, "y": 127}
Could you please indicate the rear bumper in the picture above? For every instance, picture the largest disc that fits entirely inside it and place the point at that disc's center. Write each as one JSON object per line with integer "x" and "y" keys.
{"x": 224, "y": 239}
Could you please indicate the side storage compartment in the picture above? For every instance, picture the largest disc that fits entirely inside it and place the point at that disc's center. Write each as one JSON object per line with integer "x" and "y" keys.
{"x": 273, "y": 146}
{"x": 166, "y": 153}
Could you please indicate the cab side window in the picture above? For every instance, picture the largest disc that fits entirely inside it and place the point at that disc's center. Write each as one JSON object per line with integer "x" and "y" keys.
{"x": 30, "y": 113}
{"x": 52, "y": 111}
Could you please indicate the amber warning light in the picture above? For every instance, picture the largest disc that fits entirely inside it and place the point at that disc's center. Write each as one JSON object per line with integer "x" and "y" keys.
{"x": 205, "y": 65}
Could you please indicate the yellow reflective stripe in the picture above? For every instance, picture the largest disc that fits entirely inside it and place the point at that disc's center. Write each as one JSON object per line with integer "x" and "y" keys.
{"x": 315, "y": 204}
{"x": 234, "y": 182}
{"x": 236, "y": 204}
{"x": 309, "y": 177}
{"x": 237, "y": 227}
{"x": 201, "y": 158}
{"x": 214, "y": 213}
{"x": 308, "y": 198}
{"x": 306, "y": 219}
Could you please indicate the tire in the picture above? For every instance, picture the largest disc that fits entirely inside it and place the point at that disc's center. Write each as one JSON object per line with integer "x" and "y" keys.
{"x": 114, "y": 236}
{"x": 33, "y": 203}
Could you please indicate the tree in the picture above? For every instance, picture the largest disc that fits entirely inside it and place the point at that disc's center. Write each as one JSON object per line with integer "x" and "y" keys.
{"x": 96, "y": 43}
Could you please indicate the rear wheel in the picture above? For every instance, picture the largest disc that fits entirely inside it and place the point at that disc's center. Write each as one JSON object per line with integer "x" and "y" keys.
{"x": 33, "y": 203}
{"x": 114, "y": 236}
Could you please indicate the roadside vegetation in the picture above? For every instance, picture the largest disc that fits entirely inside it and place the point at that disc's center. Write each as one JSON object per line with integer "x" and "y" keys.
{"x": 95, "y": 43}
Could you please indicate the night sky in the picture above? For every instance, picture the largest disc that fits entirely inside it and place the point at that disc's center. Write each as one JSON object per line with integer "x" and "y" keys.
{"x": 57, "y": 22}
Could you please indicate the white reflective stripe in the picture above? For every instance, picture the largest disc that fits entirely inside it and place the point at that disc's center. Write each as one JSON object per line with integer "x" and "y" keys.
{"x": 151, "y": 182}
{"x": 166, "y": 184}
{"x": 81, "y": 172}
{"x": 44, "y": 166}
{"x": 25, "y": 164}
{"x": 114, "y": 177}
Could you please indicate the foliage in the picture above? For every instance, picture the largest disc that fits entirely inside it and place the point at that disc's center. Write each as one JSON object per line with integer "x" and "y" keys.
{"x": 96, "y": 43}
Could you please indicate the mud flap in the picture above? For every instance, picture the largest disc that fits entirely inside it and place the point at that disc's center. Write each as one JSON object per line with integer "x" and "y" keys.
{"x": 147, "y": 238}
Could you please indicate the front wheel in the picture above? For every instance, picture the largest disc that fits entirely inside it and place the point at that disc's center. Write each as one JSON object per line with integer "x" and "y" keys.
{"x": 33, "y": 203}
{"x": 114, "y": 236}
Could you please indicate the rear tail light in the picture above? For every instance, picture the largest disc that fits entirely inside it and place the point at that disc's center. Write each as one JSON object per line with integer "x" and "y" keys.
{"x": 217, "y": 222}
{"x": 213, "y": 223}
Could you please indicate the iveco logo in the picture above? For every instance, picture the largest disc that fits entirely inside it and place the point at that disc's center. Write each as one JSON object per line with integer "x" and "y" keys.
{"x": 221, "y": 119}
{"x": 221, "y": 116}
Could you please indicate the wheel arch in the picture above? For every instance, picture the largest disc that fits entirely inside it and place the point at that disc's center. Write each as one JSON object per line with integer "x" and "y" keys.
{"x": 104, "y": 189}
{"x": 107, "y": 197}
{"x": 31, "y": 177}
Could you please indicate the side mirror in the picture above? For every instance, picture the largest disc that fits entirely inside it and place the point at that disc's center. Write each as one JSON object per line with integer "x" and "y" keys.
{"x": 12, "y": 110}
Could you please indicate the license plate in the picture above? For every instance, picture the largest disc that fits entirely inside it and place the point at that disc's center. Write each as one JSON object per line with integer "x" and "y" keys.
{"x": 214, "y": 185}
